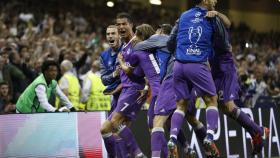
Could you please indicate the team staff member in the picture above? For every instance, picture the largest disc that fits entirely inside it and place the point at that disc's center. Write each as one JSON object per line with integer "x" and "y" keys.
{"x": 69, "y": 84}
{"x": 110, "y": 72}
{"x": 92, "y": 92}
{"x": 35, "y": 97}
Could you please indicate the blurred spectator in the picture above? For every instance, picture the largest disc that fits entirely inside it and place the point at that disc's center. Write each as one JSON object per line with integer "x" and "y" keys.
{"x": 260, "y": 84}
{"x": 77, "y": 59}
{"x": 6, "y": 104}
{"x": 17, "y": 61}
{"x": 12, "y": 74}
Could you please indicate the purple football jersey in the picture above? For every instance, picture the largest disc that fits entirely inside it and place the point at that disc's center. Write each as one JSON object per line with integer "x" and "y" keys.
{"x": 149, "y": 65}
{"x": 137, "y": 78}
{"x": 222, "y": 63}
{"x": 225, "y": 77}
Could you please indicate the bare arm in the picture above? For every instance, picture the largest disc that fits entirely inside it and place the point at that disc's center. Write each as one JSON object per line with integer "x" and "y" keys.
{"x": 223, "y": 17}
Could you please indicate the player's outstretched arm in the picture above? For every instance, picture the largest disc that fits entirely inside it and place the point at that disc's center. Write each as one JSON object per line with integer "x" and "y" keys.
{"x": 223, "y": 17}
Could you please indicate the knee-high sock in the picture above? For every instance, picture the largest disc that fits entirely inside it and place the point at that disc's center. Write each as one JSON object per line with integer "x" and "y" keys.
{"x": 126, "y": 134}
{"x": 182, "y": 140}
{"x": 245, "y": 121}
{"x": 164, "y": 151}
{"x": 176, "y": 123}
{"x": 212, "y": 116}
{"x": 158, "y": 143}
{"x": 121, "y": 148}
{"x": 109, "y": 142}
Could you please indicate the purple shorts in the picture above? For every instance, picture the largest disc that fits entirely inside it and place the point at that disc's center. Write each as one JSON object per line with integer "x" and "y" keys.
{"x": 166, "y": 101}
{"x": 127, "y": 103}
{"x": 192, "y": 75}
{"x": 227, "y": 87}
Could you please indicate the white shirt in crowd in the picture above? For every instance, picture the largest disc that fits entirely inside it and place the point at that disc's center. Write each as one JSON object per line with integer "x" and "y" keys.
{"x": 42, "y": 98}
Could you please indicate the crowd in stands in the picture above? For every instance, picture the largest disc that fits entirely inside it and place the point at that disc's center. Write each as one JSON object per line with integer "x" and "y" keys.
{"x": 32, "y": 32}
{"x": 258, "y": 61}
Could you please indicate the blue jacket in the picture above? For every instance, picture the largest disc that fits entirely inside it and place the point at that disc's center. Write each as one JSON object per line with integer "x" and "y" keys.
{"x": 194, "y": 38}
{"x": 219, "y": 40}
{"x": 108, "y": 64}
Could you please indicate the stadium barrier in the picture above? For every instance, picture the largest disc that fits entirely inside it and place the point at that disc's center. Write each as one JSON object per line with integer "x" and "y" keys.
{"x": 77, "y": 134}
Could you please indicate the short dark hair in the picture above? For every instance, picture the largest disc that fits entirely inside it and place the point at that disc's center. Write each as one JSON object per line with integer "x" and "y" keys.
{"x": 166, "y": 28}
{"x": 47, "y": 63}
{"x": 3, "y": 83}
{"x": 112, "y": 26}
{"x": 6, "y": 50}
{"x": 197, "y": 1}
{"x": 11, "y": 56}
{"x": 124, "y": 15}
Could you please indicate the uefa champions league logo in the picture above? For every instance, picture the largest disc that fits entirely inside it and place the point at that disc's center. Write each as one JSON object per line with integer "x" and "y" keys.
{"x": 197, "y": 18}
{"x": 197, "y": 14}
{"x": 194, "y": 37}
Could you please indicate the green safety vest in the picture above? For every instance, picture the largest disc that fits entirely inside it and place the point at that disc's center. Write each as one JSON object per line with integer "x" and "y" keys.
{"x": 97, "y": 100}
{"x": 28, "y": 101}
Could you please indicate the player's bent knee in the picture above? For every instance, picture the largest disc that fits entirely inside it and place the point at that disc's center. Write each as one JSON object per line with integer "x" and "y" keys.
{"x": 230, "y": 106}
{"x": 159, "y": 121}
{"x": 181, "y": 104}
{"x": 106, "y": 127}
{"x": 223, "y": 108}
{"x": 117, "y": 119}
{"x": 214, "y": 99}
{"x": 115, "y": 124}
{"x": 211, "y": 100}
